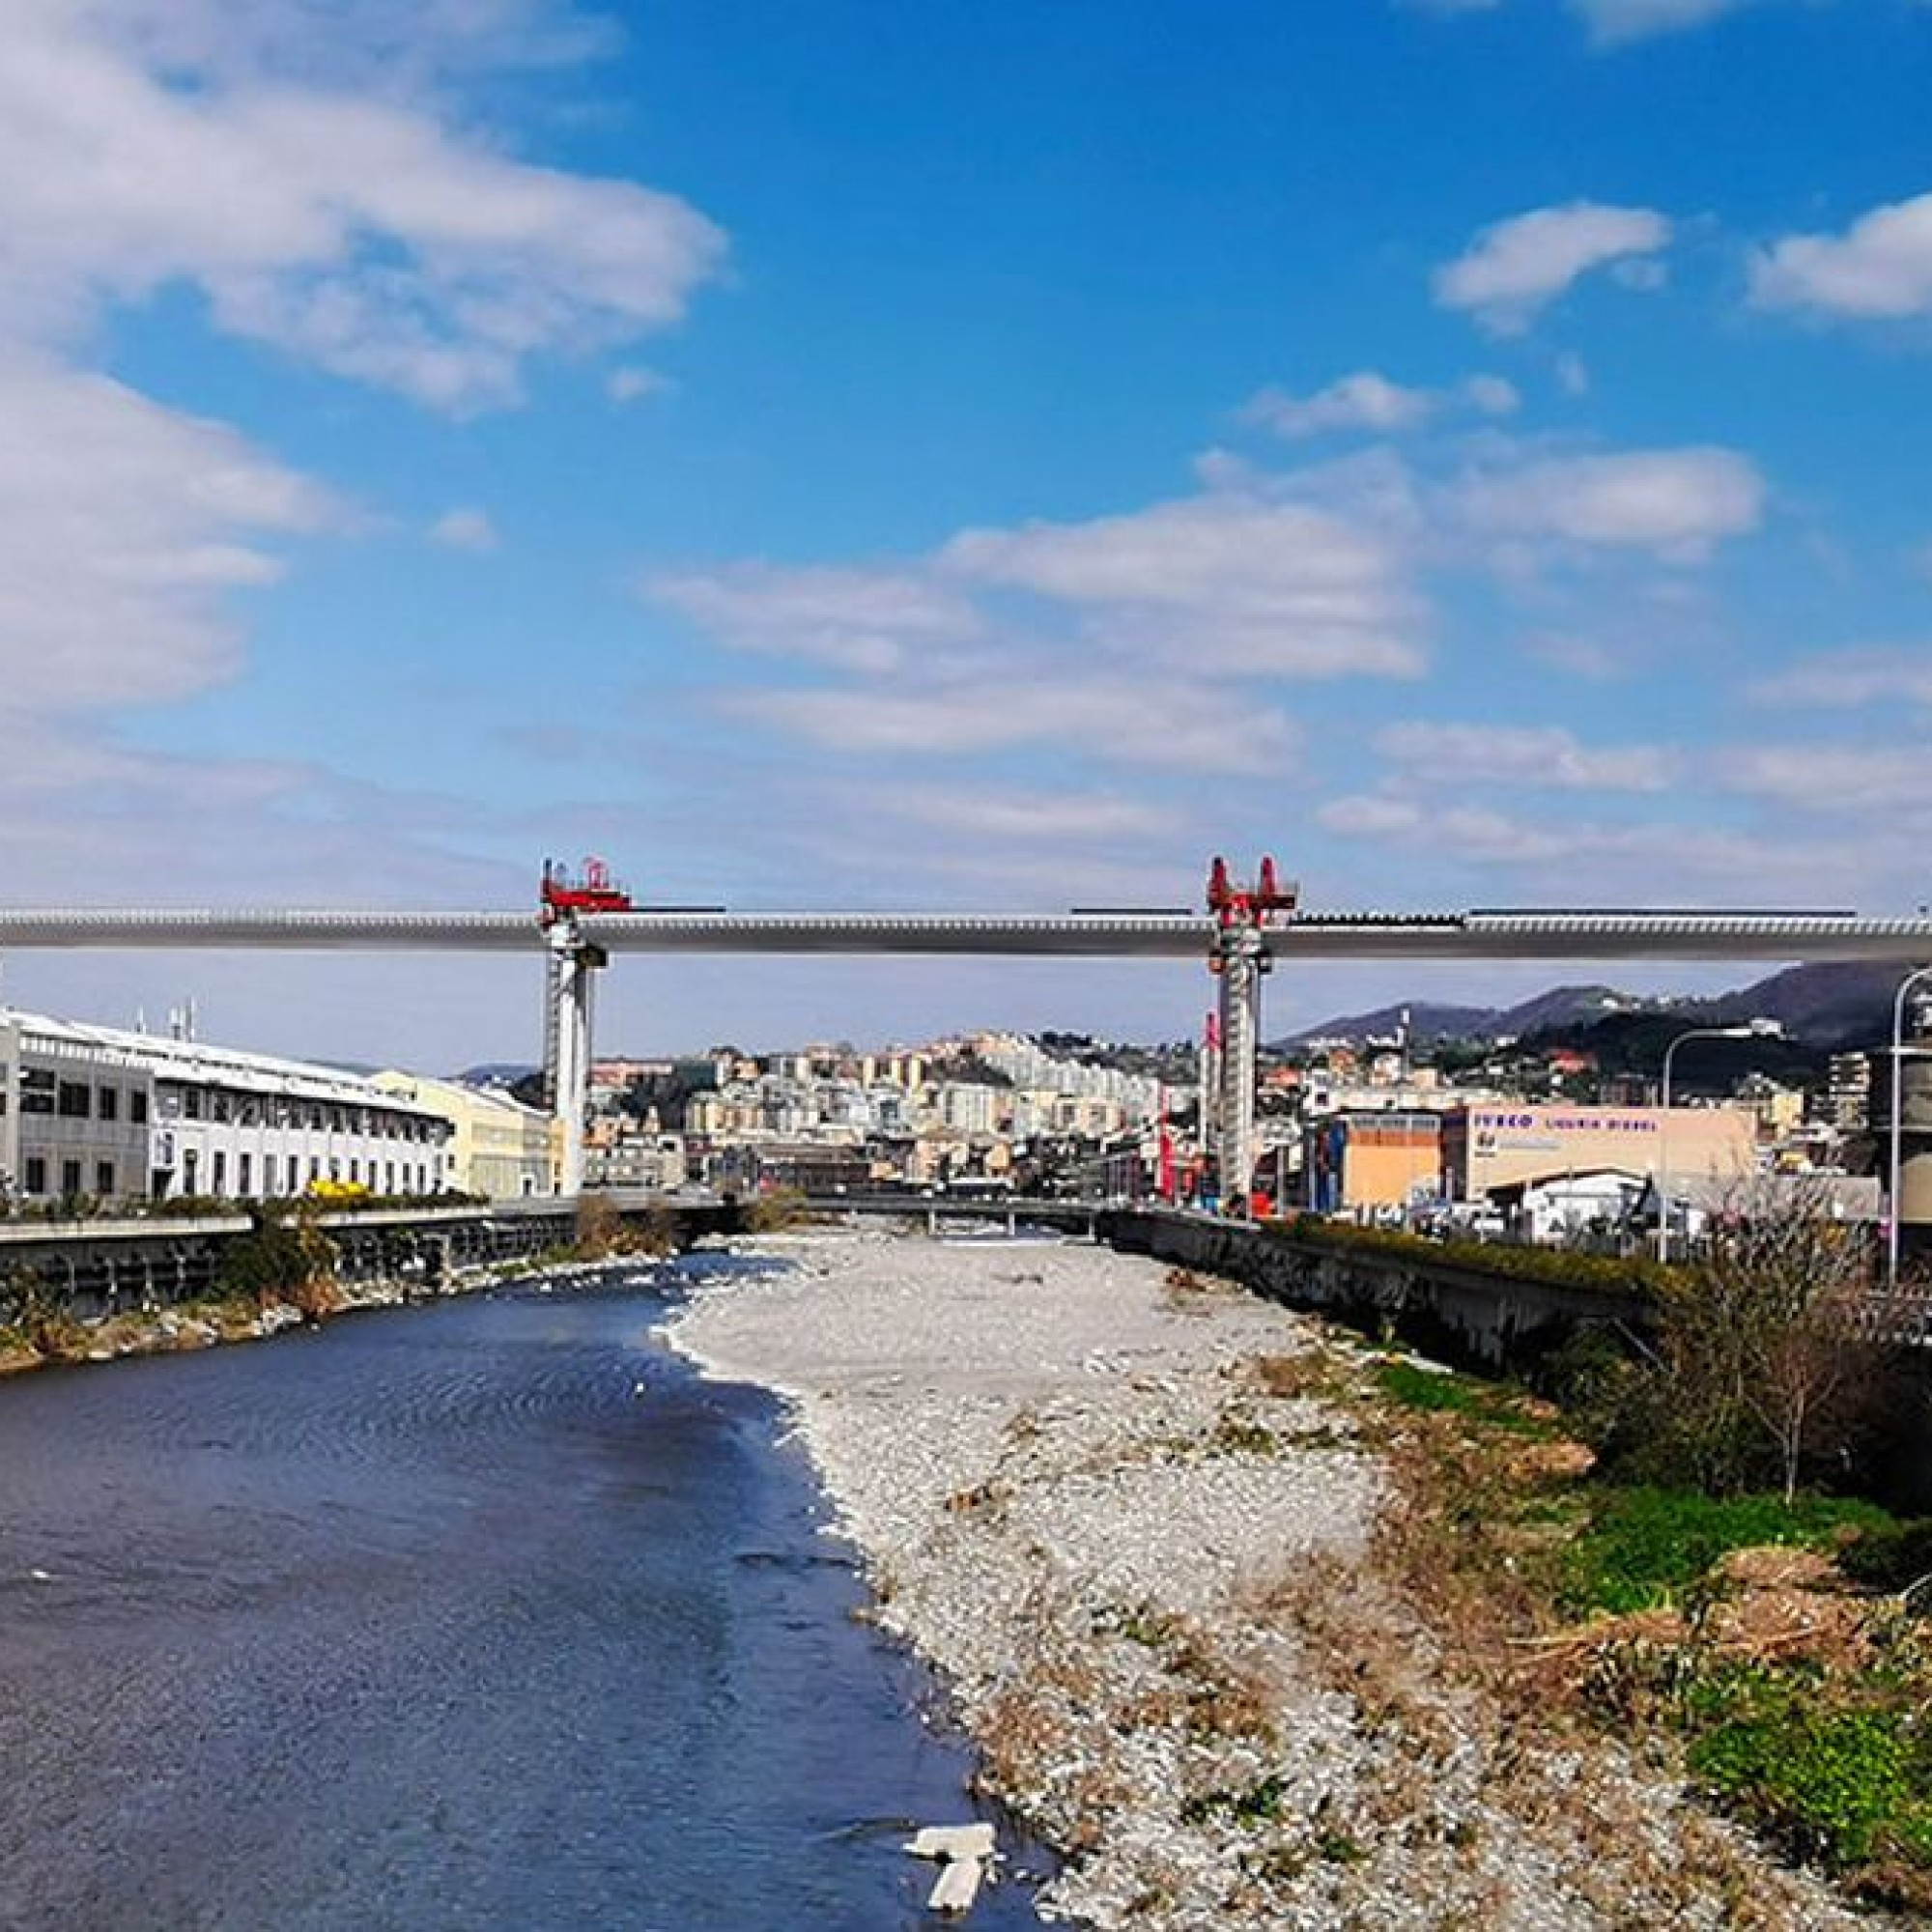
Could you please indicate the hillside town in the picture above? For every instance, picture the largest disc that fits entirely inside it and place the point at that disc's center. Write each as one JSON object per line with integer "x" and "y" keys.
{"x": 1570, "y": 1135}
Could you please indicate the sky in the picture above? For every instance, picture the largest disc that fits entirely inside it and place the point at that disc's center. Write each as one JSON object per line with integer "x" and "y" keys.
{"x": 937, "y": 456}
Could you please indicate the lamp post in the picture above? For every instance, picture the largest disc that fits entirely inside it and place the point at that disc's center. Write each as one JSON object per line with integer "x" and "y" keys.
{"x": 1895, "y": 1165}
{"x": 1756, "y": 1029}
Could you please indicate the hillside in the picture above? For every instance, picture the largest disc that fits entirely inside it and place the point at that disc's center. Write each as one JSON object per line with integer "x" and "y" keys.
{"x": 1829, "y": 1007}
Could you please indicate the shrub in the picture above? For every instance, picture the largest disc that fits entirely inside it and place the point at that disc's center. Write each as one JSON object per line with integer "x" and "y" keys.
{"x": 282, "y": 1258}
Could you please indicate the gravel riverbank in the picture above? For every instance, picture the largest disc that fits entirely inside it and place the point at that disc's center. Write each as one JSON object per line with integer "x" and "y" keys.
{"x": 1133, "y": 1522}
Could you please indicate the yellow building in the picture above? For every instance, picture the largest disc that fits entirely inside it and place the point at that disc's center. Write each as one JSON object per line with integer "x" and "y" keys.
{"x": 498, "y": 1146}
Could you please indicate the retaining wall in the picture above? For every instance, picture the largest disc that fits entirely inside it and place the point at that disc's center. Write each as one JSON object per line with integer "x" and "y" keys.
{"x": 1462, "y": 1314}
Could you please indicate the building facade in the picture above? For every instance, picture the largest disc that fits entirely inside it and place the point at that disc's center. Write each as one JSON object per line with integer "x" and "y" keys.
{"x": 1365, "y": 1163}
{"x": 1490, "y": 1146}
{"x": 498, "y": 1147}
{"x": 93, "y": 1111}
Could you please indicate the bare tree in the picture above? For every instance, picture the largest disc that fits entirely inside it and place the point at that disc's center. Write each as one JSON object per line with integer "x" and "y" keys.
{"x": 1772, "y": 1350}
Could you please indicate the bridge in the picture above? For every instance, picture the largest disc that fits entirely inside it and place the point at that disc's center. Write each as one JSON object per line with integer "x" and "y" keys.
{"x": 1245, "y": 933}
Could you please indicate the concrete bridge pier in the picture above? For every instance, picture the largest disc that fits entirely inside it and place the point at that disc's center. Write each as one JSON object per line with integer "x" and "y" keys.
{"x": 1240, "y": 957}
{"x": 574, "y": 962}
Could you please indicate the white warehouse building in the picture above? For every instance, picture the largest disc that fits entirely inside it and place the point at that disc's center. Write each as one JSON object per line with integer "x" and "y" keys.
{"x": 90, "y": 1110}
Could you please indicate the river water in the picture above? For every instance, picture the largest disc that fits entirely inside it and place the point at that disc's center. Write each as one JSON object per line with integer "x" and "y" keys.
{"x": 483, "y": 1614}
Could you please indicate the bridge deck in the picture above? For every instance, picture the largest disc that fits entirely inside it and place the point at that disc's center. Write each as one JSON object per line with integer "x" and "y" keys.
{"x": 1328, "y": 935}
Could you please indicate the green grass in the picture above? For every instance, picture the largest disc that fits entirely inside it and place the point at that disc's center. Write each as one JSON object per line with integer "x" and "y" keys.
{"x": 1443, "y": 1393}
{"x": 1643, "y": 1547}
{"x": 1840, "y": 1782}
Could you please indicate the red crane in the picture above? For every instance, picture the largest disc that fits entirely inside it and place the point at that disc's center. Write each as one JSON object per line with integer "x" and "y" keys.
{"x": 593, "y": 891}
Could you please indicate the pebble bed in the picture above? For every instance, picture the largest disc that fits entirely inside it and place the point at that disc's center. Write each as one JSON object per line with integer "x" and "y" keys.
{"x": 1150, "y": 1585}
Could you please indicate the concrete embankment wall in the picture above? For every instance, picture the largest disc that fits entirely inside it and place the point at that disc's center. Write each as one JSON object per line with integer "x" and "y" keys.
{"x": 1484, "y": 1320}
{"x": 1494, "y": 1321}
{"x": 95, "y": 1269}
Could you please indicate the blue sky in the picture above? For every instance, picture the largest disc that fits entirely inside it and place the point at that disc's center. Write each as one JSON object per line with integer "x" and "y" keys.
{"x": 939, "y": 456}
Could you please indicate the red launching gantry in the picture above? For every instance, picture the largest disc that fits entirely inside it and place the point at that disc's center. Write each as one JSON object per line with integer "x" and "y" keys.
{"x": 596, "y": 890}
{"x": 1235, "y": 905}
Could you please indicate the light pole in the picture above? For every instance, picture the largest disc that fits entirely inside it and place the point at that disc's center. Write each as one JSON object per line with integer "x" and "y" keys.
{"x": 1758, "y": 1029}
{"x": 1891, "y": 1214}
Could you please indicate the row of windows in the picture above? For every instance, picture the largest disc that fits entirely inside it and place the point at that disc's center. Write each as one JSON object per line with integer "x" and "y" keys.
{"x": 387, "y": 1176}
{"x": 254, "y": 1110}
{"x": 41, "y": 1093}
{"x": 34, "y": 1173}
{"x": 381, "y": 1177}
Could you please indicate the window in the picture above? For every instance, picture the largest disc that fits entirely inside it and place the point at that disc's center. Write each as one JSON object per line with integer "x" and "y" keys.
{"x": 103, "y": 1178}
{"x": 69, "y": 1177}
{"x": 220, "y": 1171}
{"x": 245, "y": 1173}
{"x": 36, "y": 1090}
{"x": 192, "y": 1102}
{"x": 221, "y": 1109}
{"x": 36, "y": 1174}
{"x": 107, "y": 1104}
{"x": 138, "y": 1106}
{"x": 75, "y": 1101}
{"x": 267, "y": 1173}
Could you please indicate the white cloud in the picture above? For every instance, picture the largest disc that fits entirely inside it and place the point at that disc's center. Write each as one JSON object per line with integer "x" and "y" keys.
{"x": 628, "y": 384}
{"x": 1879, "y": 269}
{"x": 1369, "y": 400}
{"x": 1674, "y": 502}
{"x": 1575, "y": 656}
{"x": 1514, "y": 268}
{"x": 1573, "y": 375}
{"x": 1175, "y": 727}
{"x": 858, "y": 621}
{"x": 1850, "y": 679}
{"x": 355, "y": 232}
{"x": 1019, "y": 815}
{"x": 1365, "y": 400}
{"x": 1832, "y": 779}
{"x": 1217, "y": 585}
{"x": 1617, "y": 22}
{"x": 468, "y": 528}
{"x": 1613, "y": 23}
{"x": 123, "y": 527}
{"x": 1492, "y": 395}
{"x": 1542, "y": 756}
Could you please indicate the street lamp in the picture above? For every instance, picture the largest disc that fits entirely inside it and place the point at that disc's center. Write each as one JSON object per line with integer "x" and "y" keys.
{"x": 1755, "y": 1029}
{"x": 1891, "y": 1214}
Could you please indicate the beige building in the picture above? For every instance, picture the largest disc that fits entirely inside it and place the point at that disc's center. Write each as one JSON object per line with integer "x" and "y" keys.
{"x": 498, "y": 1146}
{"x": 1490, "y": 1146}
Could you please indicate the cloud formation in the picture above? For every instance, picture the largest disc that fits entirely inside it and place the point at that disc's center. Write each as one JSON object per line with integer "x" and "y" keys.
{"x": 1514, "y": 268}
{"x": 1369, "y": 400}
{"x": 1676, "y": 504}
{"x": 124, "y": 527}
{"x": 360, "y": 234}
{"x": 1879, "y": 269}
{"x": 1851, "y": 679}
{"x": 1545, "y": 757}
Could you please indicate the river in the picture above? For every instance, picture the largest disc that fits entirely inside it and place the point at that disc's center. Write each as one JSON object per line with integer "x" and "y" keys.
{"x": 487, "y": 1612}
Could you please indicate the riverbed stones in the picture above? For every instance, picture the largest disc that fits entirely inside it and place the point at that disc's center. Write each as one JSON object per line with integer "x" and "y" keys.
{"x": 1150, "y": 1587}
